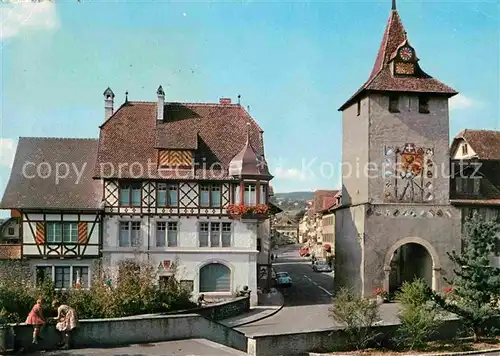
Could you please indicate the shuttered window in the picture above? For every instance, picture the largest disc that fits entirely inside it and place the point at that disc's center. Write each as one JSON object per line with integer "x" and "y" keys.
{"x": 215, "y": 277}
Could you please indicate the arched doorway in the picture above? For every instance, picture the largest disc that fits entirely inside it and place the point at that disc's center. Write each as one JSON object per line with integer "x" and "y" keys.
{"x": 408, "y": 259}
{"x": 215, "y": 277}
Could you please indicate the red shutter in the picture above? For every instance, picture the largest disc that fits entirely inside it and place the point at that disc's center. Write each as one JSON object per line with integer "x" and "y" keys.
{"x": 82, "y": 233}
{"x": 40, "y": 233}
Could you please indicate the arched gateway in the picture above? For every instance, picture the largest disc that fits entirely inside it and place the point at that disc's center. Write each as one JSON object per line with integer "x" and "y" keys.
{"x": 409, "y": 258}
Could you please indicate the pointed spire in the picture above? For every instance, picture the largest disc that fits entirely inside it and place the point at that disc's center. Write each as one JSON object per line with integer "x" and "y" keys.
{"x": 394, "y": 4}
{"x": 126, "y": 96}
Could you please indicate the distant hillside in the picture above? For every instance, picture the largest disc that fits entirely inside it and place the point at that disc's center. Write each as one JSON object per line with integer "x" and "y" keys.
{"x": 294, "y": 196}
{"x": 293, "y": 202}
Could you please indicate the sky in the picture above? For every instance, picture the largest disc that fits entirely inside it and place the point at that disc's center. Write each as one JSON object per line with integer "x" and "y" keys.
{"x": 294, "y": 63}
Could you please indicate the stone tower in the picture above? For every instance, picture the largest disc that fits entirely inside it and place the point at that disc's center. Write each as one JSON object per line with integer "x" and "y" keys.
{"x": 395, "y": 222}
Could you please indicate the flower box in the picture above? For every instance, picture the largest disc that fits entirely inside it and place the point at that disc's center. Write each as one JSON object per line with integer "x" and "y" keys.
{"x": 245, "y": 212}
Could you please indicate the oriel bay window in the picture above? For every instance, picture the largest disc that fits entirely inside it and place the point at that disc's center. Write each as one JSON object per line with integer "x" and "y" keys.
{"x": 58, "y": 232}
{"x": 214, "y": 234}
{"x": 167, "y": 194}
{"x": 210, "y": 195}
{"x": 130, "y": 194}
{"x": 250, "y": 196}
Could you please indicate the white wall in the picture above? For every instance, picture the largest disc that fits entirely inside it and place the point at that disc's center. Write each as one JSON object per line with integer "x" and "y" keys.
{"x": 241, "y": 257}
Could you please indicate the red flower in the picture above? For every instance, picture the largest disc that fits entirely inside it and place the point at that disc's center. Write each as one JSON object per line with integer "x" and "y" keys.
{"x": 245, "y": 211}
{"x": 448, "y": 290}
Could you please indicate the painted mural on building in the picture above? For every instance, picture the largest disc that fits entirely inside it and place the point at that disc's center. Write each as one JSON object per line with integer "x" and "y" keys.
{"x": 408, "y": 172}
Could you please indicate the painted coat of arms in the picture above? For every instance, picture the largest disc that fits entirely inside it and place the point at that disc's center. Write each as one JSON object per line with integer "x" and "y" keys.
{"x": 408, "y": 173}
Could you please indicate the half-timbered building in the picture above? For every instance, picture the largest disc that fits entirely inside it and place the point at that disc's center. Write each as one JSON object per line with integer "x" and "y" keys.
{"x": 185, "y": 185}
{"x": 55, "y": 205}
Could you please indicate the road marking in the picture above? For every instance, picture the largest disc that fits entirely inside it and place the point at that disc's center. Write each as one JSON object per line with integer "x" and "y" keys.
{"x": 317, "y": 285}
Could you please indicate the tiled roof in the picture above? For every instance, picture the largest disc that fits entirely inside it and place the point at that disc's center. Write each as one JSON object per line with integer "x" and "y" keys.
{"x": 32, "y": 190}
{"x": 486, "y": 143}
{"x": 381, "y": 77}
{"x": 216, "y": 131}
{"x": 319, "y": 199}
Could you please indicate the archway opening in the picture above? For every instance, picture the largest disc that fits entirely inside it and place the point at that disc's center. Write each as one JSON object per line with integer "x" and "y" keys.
{"x": 410, "y": 261}
{"x": 215, "y": 277}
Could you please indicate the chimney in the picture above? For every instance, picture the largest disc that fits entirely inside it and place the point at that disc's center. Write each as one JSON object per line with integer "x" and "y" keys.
{"x": 225, "y": 101}
{"x": 160, "y": 106}
{"x": 109, "y": 98}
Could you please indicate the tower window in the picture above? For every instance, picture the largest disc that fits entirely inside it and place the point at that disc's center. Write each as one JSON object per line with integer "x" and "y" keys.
{"x": 359, "y": 107}
{"x": 423, "y": 105}
{"x": 393, "y": 103}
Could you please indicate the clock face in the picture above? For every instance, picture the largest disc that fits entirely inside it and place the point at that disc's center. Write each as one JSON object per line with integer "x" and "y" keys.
{"x": 406, "y": 53}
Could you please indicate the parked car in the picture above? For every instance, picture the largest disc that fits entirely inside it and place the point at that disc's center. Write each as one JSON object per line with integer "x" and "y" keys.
{"x": 283, "y": 279}
{"x": 321, "y": 266}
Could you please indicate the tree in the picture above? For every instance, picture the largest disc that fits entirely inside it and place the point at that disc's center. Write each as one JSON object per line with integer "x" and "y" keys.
{"x": 476, "y": 284}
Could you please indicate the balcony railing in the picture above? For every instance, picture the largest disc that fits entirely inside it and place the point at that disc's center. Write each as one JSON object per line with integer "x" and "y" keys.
{"x": 245, "y": 212}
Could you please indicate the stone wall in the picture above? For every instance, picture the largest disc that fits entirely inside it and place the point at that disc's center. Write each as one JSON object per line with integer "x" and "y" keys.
{"x": 220, "y": 311}
{"x": 326, "y": 340}
{"x": 136, "y": 330}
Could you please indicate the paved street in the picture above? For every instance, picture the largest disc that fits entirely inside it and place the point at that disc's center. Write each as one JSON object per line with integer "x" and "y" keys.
{"x": 307, "y": 301}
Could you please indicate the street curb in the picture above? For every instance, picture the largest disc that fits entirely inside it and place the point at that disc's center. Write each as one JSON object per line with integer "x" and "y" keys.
{"x": 265, "y": 316}
{"x": 488, "y": 351}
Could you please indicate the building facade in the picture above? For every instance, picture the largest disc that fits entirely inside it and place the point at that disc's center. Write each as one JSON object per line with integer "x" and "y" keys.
{"x": 397, "y": 223}
{"x": 56, "y": 210}
{"x": 183, "y": 187}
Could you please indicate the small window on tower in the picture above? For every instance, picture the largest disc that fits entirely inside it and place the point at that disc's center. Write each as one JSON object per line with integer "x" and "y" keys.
{"x": 359, "y": 107}
{"x": 423, "y": 105}
{"x": 393, "y": 103}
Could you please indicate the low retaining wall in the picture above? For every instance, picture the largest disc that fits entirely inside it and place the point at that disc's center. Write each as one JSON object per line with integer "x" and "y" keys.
{"x": 220, "y": 311}
{"x": 184, "y": 324}
{"x": 291, "y": 344}
{"x": 136, "y": 330}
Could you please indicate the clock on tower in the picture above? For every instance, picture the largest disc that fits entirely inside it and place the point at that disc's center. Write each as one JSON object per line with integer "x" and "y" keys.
{"x": 404, "y": 63}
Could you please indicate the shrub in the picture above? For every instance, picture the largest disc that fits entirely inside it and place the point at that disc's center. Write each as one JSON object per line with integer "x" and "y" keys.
{"x": 136, "y": 291}
{"x": 358, "y": 315}
{"x": 419, "y": 316}
{"x": 476, "y": 284}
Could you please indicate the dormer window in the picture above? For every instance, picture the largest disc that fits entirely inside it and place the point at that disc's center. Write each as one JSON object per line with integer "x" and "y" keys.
{"x": 423, "y": 105}
{"x": 464, "y": 149}
{"x": 394, "y": 103}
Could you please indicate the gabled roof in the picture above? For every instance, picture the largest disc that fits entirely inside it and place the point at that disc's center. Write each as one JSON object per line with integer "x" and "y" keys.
{"x": 323, "y": 198}
{"x": 485, "y": 143}
{"x": 33, "y": 184}
{"x": 381, "y": 77}
{"x": 216, "y": 132}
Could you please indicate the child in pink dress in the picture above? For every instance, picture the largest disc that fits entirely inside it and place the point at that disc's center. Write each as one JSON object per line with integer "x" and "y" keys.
{"x": 35, "y": 318}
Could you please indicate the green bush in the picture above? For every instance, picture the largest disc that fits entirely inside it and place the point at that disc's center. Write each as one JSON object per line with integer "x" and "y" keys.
{"x": 419, "y": 315}
{"x": 135, "y": 292}
{"x": 358, "y": 315}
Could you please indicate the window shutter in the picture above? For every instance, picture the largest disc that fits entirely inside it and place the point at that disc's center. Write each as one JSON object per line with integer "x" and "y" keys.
{"x": 82, "y": 233}
{"x": 40, "y": 233}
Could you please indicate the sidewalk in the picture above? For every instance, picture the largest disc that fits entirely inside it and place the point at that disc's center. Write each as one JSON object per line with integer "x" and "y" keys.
{"x": 269, "y": 304}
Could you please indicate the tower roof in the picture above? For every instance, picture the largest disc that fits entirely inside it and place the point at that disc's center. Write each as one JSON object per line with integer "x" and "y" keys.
{"x": 247, "y": 162}
{"x": 382, "y": 77}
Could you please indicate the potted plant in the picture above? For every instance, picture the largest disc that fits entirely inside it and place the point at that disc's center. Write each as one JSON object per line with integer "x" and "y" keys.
{"x": 248, "y": 212}
{"x": 382, "y": 295}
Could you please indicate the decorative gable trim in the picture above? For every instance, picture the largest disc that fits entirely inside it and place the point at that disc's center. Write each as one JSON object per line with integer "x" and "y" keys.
{"x": 40, "y": 233}
{"x": 171, "y": 158}
{"x": 82, "y": 233}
